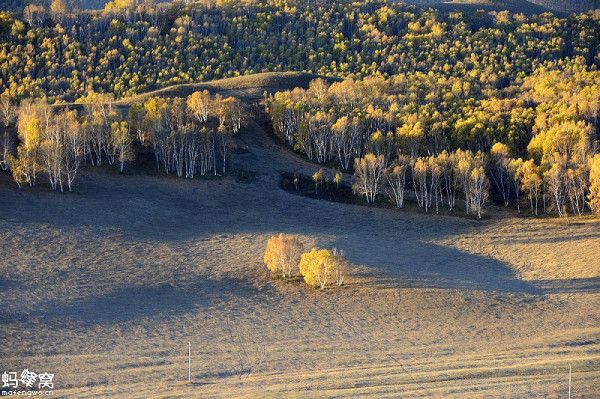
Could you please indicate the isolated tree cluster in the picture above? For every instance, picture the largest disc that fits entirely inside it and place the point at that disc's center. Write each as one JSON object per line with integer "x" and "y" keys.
{"x": 285, "y": 257}
{"x": 188, "y": 136}
{"x": 444, "y": 136}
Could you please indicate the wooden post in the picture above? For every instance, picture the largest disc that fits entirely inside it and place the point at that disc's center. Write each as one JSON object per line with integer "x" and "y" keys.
{"x": 190, "y": 362}
{"x": 569, "y": 380}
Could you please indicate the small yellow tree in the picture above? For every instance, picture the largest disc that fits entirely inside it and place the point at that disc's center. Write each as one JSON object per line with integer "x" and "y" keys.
{"x": 337, "y": 179}
{"x": 282, "y": 254}
{"x": 594, "y": 195}
{"x": 321, "y": 267}
{"x": 318, "y": 177}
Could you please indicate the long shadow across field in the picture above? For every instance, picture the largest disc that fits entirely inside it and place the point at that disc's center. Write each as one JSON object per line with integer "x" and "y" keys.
{"x": 134, "y": 302}
{"x": 438, "y": 266}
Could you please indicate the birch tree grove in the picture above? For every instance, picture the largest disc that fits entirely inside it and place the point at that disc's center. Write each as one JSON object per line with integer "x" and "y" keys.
{"x": 436, "y": 180}
{"x": 50, "y": 142}
{"x": 57, "y": 141}
{"x": 189, "y": 136}
{"x": 450, "y": 130}
{"x": 515, "y": 94}
{"x": 98, "y": 114}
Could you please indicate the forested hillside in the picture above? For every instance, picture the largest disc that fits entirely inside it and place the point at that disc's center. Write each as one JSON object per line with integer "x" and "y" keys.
{"x": 62, "y": 55}
{"x": 446, "y": 136}
{"x": 493, "y": 97}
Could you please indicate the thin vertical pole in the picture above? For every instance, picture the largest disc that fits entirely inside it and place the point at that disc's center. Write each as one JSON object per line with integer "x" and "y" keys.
{"x": 569, "y": 380}
{"x": 189, "y": 362}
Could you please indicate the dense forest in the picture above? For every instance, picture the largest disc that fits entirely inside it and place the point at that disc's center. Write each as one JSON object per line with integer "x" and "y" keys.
{"x": 507, "y": 96}
{"x": 126, "y": 50}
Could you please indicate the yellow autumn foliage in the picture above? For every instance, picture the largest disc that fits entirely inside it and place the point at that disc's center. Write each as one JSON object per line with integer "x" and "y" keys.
{"x": 321, "y": 268}
{"x": 594, "y": 195}
{"x": 282, "y": 254}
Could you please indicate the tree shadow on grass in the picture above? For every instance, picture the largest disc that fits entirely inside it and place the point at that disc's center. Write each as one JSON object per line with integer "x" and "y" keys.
{"x": 136, "y": 302}
{"x": 568, "y": 285}
{"x": 426, "y": 264}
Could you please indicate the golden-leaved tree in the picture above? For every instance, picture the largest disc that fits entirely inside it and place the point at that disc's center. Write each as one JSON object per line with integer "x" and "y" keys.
{"x": 322, "y": 268}
{"x": 121, "y": 141}
{"x": 282, "y": 254}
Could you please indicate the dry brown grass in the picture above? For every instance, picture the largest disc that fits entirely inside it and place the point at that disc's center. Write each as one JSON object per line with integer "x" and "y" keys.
{"x": 540, "y": 249}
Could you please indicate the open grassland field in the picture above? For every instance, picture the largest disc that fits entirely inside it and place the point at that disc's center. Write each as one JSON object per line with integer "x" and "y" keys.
{"x": 105, "y": 287}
